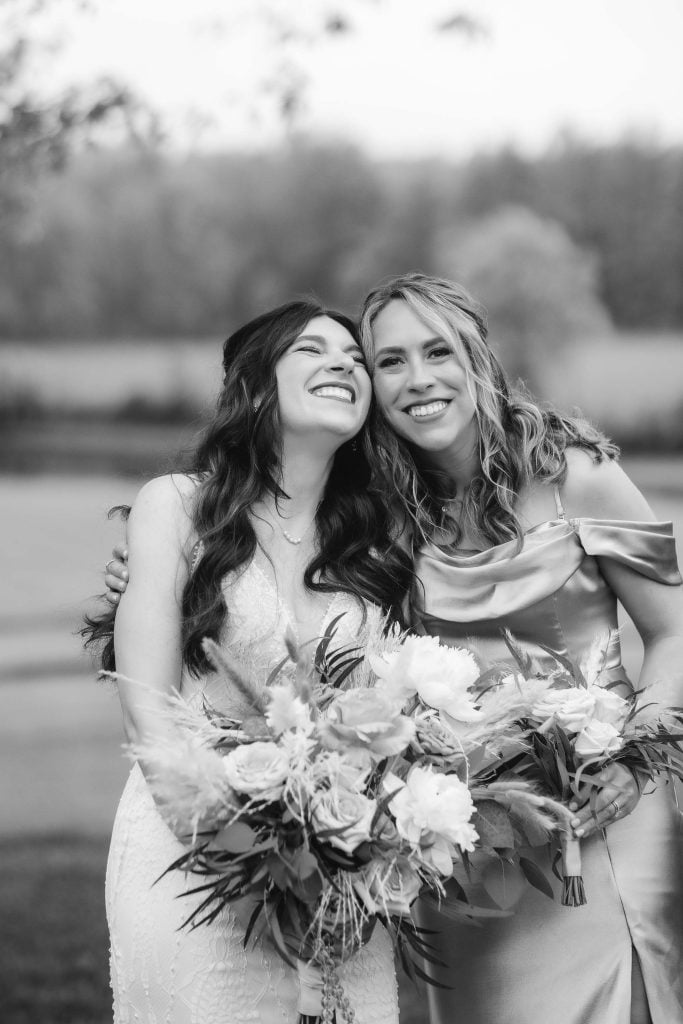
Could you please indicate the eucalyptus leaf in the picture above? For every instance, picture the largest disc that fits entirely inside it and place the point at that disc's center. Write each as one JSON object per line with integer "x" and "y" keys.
{"x": 235, "y": 838}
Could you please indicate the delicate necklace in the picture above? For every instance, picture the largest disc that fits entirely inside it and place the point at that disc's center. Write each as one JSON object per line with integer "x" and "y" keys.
{"x": 287, "y": 535}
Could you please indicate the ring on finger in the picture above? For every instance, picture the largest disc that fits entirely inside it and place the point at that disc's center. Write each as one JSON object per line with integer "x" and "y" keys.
{"x": 107, "y": 564}
{"x": 615, "y": 805}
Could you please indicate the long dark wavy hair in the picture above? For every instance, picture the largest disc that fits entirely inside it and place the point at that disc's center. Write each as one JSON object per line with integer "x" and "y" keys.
{"x": 519, "y": 440}
{"x": 237, "y": 462}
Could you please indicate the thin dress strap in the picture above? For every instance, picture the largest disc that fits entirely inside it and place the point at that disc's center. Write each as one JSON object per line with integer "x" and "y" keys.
{"x": 558, "y": 503}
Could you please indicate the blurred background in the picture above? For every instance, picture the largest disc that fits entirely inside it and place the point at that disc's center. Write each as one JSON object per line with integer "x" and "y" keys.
{"x": 168, "y": 171}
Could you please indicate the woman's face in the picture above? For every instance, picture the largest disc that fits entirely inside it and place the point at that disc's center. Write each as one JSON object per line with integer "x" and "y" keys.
{"x": 420, "y": 384}
{"x": 322, "y": 383}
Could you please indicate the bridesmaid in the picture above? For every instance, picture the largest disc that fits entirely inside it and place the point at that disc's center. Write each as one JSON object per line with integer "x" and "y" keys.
{"x": 522, "y": 519}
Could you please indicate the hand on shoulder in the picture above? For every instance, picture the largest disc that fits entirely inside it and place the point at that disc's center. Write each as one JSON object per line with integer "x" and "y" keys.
{"x": 601, "y": 490}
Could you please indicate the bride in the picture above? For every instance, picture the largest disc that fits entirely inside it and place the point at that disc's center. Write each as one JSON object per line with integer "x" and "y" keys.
{"x": 274, "y": 528}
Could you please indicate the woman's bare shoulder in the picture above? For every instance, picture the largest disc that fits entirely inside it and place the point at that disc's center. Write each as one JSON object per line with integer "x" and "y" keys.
{"x": 601, "y": 490}
{"x": 165, "y": 503}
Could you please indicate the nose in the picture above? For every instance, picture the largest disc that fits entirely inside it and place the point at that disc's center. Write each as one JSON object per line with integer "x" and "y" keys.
{"x": 342, "y": 362}
{"x": 420, "y": 376}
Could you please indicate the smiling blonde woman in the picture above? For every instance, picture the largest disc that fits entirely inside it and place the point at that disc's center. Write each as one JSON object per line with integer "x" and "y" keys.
{"x": 521, "y": 519}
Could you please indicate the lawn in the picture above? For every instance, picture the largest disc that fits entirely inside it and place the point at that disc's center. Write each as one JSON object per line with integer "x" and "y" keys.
{"x": 54, "y": 962}
{"x": 53, "y": 967}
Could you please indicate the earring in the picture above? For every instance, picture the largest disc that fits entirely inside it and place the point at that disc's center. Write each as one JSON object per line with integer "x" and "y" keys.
{"x": 256, "y": 404}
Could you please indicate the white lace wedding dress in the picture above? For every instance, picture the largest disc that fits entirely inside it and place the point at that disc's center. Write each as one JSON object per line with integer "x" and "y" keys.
{"x": 162, "y": 973}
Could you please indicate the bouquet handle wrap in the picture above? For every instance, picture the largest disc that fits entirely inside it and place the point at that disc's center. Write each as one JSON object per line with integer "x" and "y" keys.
{"x": 573, "y": 891}
{"x": 310, "y": 990}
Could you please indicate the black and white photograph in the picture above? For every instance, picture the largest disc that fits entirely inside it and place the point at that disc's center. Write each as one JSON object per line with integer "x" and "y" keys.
{"x": 341, "y": 482}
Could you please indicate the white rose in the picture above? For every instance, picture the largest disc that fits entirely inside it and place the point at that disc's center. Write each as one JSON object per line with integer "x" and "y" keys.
{"x": 572, "y": 707}
{"x": 440, "y": 675}
{"x": 366, "y": 719}
{"x": 388, "y": 888}
{"x": 433, "y": 813}
{"x": 257, "y": 769}
{"x": 596, "y": 739}
{"x": 346, "y": 810}
{"x": 609, "y": 706}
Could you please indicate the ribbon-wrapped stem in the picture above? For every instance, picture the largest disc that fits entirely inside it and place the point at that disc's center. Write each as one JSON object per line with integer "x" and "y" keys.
{"x": 573, "y": 891}
{"x": 321, "y": 993}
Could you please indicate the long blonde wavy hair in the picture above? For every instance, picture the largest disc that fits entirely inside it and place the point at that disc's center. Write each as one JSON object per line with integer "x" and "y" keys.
{"x": 519, "y": 440}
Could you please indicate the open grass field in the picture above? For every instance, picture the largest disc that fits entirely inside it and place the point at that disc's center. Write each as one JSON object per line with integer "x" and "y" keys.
{"x": 61, "y": 768}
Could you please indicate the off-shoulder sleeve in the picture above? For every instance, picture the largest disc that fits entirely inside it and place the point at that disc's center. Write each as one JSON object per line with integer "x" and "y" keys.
{"x": 647, "y": 548}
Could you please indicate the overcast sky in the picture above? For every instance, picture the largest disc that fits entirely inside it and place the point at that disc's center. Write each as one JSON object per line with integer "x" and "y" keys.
{"x": 598, "y": 67}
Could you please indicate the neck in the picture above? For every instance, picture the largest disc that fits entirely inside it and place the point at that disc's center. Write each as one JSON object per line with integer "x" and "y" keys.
{"x": 304, "y": 475}
{"x": 460, "y": 463}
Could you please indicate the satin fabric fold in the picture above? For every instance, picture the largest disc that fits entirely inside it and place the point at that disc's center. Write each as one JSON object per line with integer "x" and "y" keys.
{"x": 548, "y": 962}
{"x": 464, "y": 588}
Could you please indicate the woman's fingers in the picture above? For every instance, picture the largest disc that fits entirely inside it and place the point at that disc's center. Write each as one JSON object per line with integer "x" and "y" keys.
{"x": 607, "y": 808}
{"x": 617, "y": 796}
{"x": 116, "y": 575}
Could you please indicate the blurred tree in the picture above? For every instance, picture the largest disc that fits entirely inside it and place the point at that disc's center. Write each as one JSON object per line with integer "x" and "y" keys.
{"x": 539, "y": 287}
{"x": 624, "y": 201}
{"x": 153, "y": 246}
{"x": 38, "y": 130}
{"x": 287, "y": 32}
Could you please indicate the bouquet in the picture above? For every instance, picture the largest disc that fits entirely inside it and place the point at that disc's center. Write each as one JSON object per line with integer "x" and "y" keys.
{"x": 458, "y": 733}
{"x": 559, "y": 729}
{"x": 329, "y": 807}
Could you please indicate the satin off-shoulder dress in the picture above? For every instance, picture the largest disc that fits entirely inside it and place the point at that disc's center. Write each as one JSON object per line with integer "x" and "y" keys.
{"x": 549, "y": 964}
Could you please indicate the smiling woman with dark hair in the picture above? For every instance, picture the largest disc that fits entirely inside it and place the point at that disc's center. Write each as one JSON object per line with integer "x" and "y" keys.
{"x": 274, "y": 529}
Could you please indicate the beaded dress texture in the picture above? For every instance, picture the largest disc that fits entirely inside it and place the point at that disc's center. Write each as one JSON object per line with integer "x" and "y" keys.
{"x": 164, "y": 974}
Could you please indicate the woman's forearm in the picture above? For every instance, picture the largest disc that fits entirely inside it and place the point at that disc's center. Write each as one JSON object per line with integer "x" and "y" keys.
{"x": 662, "y": 671}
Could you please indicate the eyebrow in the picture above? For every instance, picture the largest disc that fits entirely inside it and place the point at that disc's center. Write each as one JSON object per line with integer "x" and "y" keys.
{"x": 401, "y": 348}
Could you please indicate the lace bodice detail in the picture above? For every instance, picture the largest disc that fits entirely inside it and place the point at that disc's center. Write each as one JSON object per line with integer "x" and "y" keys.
{"x": 258, "y": 620}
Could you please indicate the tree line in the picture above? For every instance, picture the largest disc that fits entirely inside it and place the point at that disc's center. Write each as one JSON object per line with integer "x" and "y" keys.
{"x": 140, "y": 244}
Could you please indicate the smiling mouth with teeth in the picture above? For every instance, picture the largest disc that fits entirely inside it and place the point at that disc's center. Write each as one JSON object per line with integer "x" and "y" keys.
{"x": 330, "y": 391}
{"x": 416, "y": 411}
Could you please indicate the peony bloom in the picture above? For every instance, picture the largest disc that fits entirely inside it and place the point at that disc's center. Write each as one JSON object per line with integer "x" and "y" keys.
{"x": 609, "y": 706}
{"x": 441, "y": 676}
{"x": 343, "y": 809}
{"x": 433, "y": 813}
{"x": 287, "y": 711}
{"x": 258, "y": 770}
{"x": 366, "y": 719}
{"x": 572, "y": 707}
{"x": 598, "y": 739}
{"x": 388, "y": 888}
